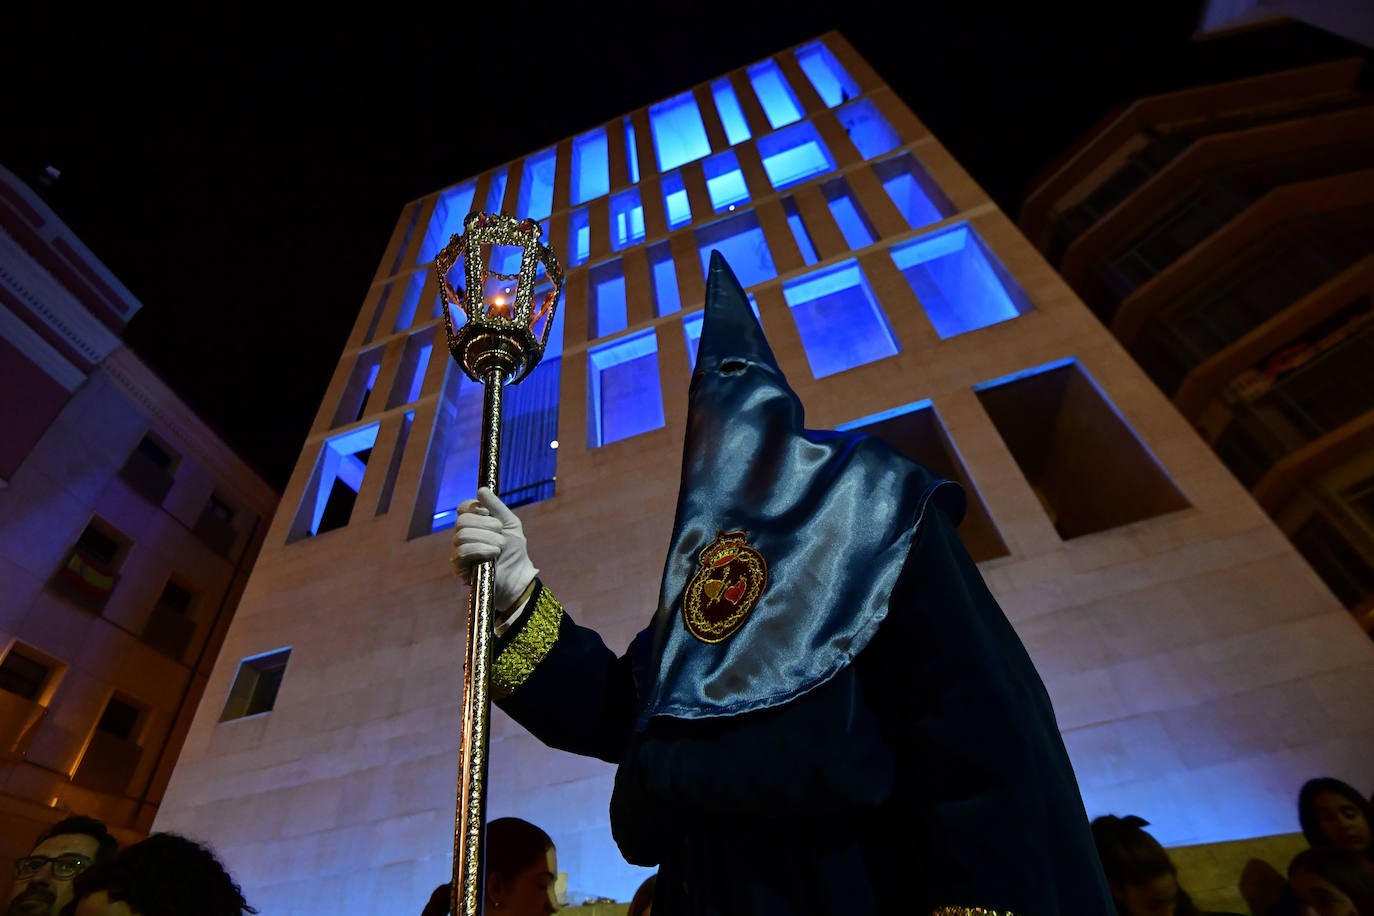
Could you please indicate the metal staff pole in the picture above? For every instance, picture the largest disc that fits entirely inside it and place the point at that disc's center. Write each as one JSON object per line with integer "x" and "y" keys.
{"x": 501, "y": 340}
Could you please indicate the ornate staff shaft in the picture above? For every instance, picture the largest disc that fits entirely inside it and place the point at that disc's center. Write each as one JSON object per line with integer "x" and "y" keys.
{"x": 502, "y": 339}
{"x": 468, "y": 860}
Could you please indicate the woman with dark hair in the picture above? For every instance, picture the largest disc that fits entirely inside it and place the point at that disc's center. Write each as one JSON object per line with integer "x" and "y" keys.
{"x": 1328, "y": 881}
{"x": 1142, "y": 877}
{"x": 521, "y": 868}
{"x": 163, "y": 875}
{"x": 1333, "y": 813}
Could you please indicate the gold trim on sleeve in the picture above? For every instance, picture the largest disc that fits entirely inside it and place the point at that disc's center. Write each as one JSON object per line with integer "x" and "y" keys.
{"x": 523, "y": 654}
{"x": 969, "y": 911}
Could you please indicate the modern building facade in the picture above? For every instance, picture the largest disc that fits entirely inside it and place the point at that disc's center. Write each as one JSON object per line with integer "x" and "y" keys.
{"x": 1225, "y": 235}
{"x": 127, "y": 530}
{"x": 1200, "y": 669}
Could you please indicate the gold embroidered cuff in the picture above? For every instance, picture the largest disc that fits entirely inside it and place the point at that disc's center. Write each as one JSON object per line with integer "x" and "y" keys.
{"x": 969, "y": 911}
{"x": 523, "y": 654}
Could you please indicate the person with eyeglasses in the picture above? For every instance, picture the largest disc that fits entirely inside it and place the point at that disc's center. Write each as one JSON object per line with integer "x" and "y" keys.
{"x": 43, "y": 878}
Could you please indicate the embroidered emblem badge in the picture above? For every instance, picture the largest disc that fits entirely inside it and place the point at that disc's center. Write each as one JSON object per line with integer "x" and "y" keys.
{"x": 725, "y": 589}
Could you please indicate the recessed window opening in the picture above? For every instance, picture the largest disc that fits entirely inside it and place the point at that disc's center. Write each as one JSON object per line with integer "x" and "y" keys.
{"x": 731, "y": 115}
{"x": 780, "y": 105}
{"x": 960, "y": 285}
{"x": 591, "y": 176}
{"x": 838, "y": 319}
{"x": 624, "y": 394}
{"x": 678, "y": 131}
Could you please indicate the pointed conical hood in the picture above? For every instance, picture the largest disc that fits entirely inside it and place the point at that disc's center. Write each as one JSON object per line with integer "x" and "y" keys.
{"x": 729, "y": 329}
{"x": 787, "y": 541}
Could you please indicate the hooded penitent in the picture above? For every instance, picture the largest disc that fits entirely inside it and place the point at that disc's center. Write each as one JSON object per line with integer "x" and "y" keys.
{"x": 787, "y": 541}
{"x": 834, "y": 714}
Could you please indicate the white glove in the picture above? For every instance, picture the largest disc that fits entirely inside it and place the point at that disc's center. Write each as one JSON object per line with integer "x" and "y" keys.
{"x": 487, "y": 530}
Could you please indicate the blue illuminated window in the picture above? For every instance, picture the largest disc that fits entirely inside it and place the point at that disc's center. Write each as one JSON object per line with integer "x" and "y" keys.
{"x": 536, "y": 185}
{"x": 740, "y": 239}
{"x": 832, "y": 83}
{"x": 794, "y": 155}
{"x": 623, "y": 389}
{"x": 496, "y": 195}
{"x": 725, "y": 181}
{"x": 675, "y": 201}
{"x": 579, "y": 237}
{"x": 691, "y": 330}
{"x": 591, "y": 175}
{"x": 606, "y": 298}
{"x": 731, "y": 115}
{"x": 958, "y": 281}
{"x": 410, "y": 375}
{"x": 334, "y": 483}
{"x": 529, "y": 441}
{"x": 450, "y": 210}
{"x": 358, "y": 391}
{"x": 854, "y": 225}
{"x": 840, "y": 323}
{"x": 667, "y": 298}
{"x": 631, "y": 150}
{"x": 405, "y": 315}
{"x": 917, "y": 197}
{"x": 780, "y": 106}
{"x": 867, "y": 128}
{"x": 679, "y": 134}
{"x": 799, "y": 232}
{"x": 627, "y": 219}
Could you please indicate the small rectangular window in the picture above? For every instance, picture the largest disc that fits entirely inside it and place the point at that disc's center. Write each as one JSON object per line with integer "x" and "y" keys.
{"x": 23, "y": 675}
{"x": 832, "y": 82}
{"x": 1057, "y": 424}
{"x": 624, "y": 391}
{"x": 631, "y": 150}
{"x": 334, "y": 484}
{"x": 358, "y": 391}
{"x": 916, "y": 195}
{"x": 590, "y": 168}
{"x": 667, "y": 297}
{"x": 679, "y": 134}
{"x": 780, "y": 105}
{"x": 170, "y": 626}
{"x": 450, "y": 210}
{"x": 606, "y": 292}
{"x": 148, "y": 470}
{"x": 724, "y": 181}
{"x": 119, "y": 719}
{"x": 794, "y": 155}
{"x": 799, "y": 231}
{"x": 256, "y": 685}
{"x": 536, "y": 185}
{"x": 219, "y": 508}
{"x": 867, "y": 128}
{"x": 627, "y": 219}
{"x": 496, "y": 194}
{"x": 958, "y": 282}
{"x": 410, "y": 374}
{"x": 740, "y": 239}
{"x": 838, "y": 319}
{"x": 858, "y": 232}
{"x": 731, "y": 115}
{"x": 579, "y": 237}
{"x": 175, "y": 599}
{"x": 675, "y": 200}
{"x": 91, "y": 569}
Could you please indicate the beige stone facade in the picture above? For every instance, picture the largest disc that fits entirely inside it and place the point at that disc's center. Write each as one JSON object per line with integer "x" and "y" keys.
{"x": 1199, "y": 668}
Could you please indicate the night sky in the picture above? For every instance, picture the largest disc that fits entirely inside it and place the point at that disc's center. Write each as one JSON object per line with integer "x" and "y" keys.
{"x": 241, "y": 172}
